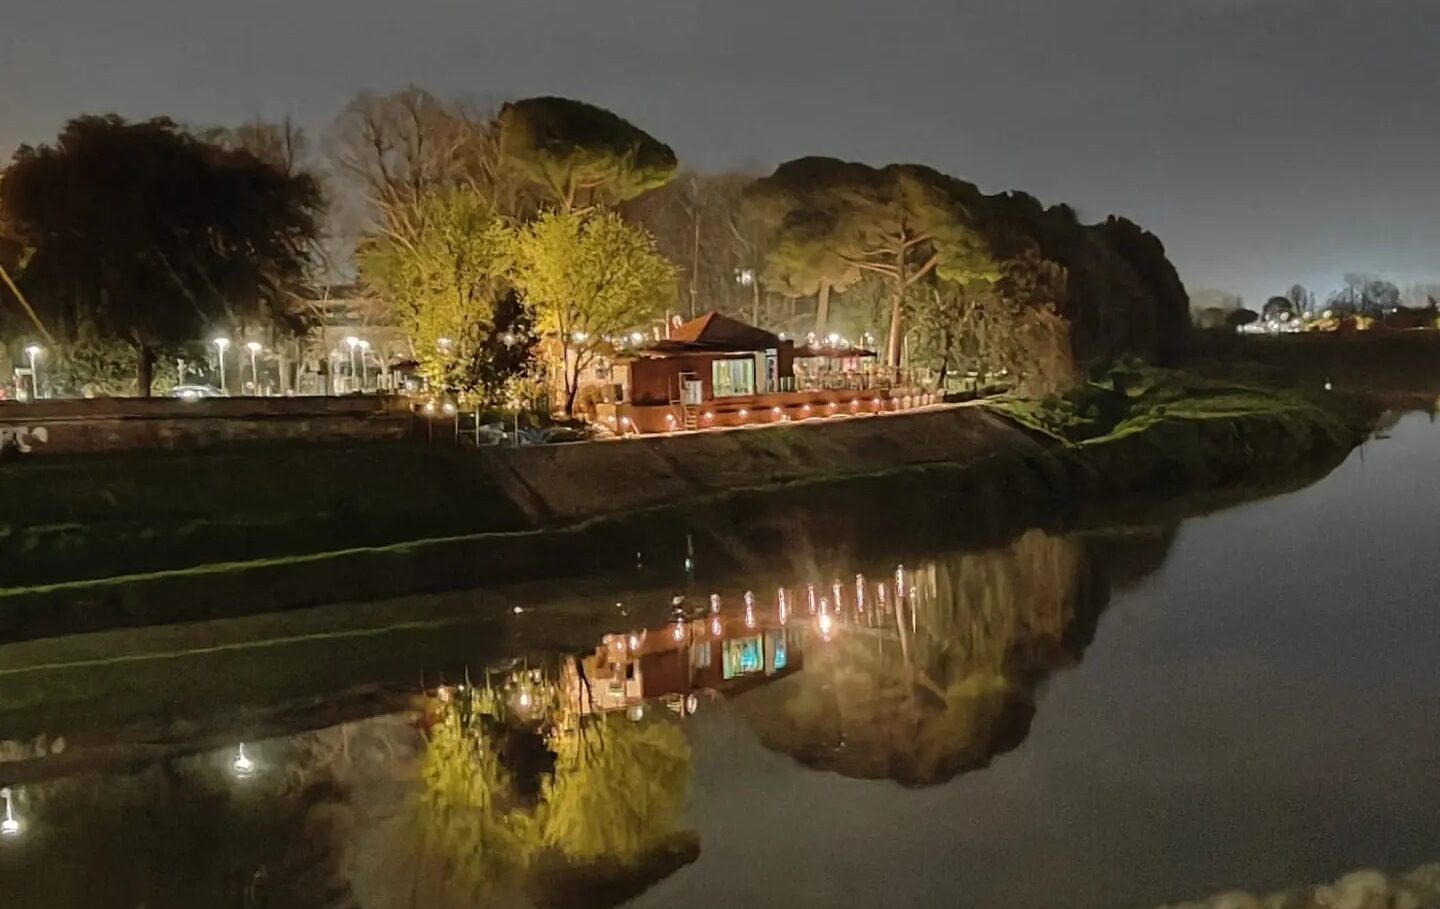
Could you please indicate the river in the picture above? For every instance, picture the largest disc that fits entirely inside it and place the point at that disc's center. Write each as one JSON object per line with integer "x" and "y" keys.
{"x": 1122, "y": 717}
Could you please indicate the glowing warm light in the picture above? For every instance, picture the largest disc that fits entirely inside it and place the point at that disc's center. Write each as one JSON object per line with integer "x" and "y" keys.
{"x": 634, "y": 642}
{"x": 254, "y": 346}
{"x": 429, "y": 406}
{"x": 749, "y": 609}
{"x": 775, "y": 410}
{"x": 518, "y": 609}
{"x": 715, "y": 626}
{"x": 678, "y": 632}
{"x": 221, "y": 343}
{"x": 810, "y": 597}
{"x": 714, "y": 602}
{"x": 835, "y": 592}
{"x": 709, "y": 415}
{"x": 744, "y": 413}
{"x": 443, "y": 693}
{"x": 669, "y": 418}
{"x": 830, "y": 406}
{"x": 611, "y": 419}
{"x": 524, "y": 700}
{"x": 581, "y": 337}
{"x": 352, "y": 341}
{"x": 784, "y": 608}
{"x": 827, "y": 625}
{"x": 636, "y": 338}
{"x": 859, "y": 593}
{"x": 899, "y": 582}
{"x": 446, "y": 342}
{"x": 880, "y": 594}
{"x": 242, "y": 765}
{"x": 624, "y": 421}
{"x": 692, "y": 704}
{"x": 10, "y": 826}
{"x": 637, "y": 713}
{"x": 833, "y": 338}
{"x": 448, "y": 408}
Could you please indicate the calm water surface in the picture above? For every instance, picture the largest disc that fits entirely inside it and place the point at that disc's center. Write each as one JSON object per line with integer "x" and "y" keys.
{"x": 1248, "y": 699}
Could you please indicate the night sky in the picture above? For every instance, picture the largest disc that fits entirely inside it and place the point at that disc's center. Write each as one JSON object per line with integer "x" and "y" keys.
{"x": 1266, "y": 141}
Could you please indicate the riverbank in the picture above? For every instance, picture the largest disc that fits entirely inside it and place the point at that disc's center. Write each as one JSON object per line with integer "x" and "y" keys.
{"x": 639, "y": 506}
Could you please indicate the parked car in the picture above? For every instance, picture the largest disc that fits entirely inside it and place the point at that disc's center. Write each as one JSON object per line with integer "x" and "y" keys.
{"x": 196, "y": 392}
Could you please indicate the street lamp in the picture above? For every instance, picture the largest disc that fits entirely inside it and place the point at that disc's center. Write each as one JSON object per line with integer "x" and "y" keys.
{"x": 220, "y": 346}
{"x": 353, "y": 342}
{"x": 364, "y": 364}
{"x": 254, "y": 347}
{"x": 34, "y": 350}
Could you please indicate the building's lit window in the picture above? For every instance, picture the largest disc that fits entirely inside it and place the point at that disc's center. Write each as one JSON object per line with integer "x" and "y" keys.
{"x": 731, "y": 378}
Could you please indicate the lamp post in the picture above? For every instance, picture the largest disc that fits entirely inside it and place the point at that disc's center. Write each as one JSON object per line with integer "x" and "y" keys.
{"x": 220, "y": 346}
{"x": 254, "y": 347}
{"x": 352, "y": 342}
{"x": 34, "y": 351}
{"x": 364, "y": 364}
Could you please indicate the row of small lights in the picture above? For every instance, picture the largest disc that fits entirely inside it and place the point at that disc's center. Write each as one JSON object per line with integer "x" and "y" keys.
{"x": 825, "y": 609}
{"x": 906, "y": 403}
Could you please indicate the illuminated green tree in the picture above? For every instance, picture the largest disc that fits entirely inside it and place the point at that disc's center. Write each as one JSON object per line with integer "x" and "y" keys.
{"x": 588, "y": 276}
{"x": 442, "y": 270}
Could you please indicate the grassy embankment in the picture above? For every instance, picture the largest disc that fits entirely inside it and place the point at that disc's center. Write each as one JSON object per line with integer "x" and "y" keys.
{"x": 1152, "y": 430}
{"x": 160, "y": 538}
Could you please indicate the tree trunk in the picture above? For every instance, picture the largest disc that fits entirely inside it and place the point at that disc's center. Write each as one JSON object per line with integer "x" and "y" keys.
{"x": 144, "y": 371}
{"x": 892, "y": 345}
{"x": 822, "y": 310}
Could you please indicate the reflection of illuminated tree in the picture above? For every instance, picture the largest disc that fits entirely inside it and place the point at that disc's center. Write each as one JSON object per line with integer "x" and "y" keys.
{"x": 606, "y": 818}
{"x": 947, "y": 681}
{"x": 618, "y": 790}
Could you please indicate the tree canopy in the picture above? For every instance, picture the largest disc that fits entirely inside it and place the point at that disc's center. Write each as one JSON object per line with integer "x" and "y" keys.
{"x": 145, "y": 234}
{"x": 581, "y": 155}
{"x": 589, "y": 276}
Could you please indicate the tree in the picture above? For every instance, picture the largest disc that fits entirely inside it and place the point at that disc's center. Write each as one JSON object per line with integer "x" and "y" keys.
{"x": 899, "y": 223}
{"x": 1277, "y": 309}
{"x": 581, "y": 156}
{"x": 144, "y": 233}
{"x": 442, "y": 270}
{"x": 1238, "y": 317}
{"x": 1301, "y": 300}
{"x": 588, "y": 276}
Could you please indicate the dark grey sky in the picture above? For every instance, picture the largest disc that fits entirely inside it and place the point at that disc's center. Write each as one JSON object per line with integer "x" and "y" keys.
{"x": 1264, "y": 140}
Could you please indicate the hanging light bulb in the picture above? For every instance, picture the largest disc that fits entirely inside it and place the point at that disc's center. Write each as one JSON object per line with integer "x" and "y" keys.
{"x": 242, "y": 765}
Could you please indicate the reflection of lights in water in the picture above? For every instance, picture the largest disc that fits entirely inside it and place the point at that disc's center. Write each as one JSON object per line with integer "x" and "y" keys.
{"x": 810, "y": 597}
{"x": 859, "y": 593}
{"x": 826, "y": 624}
{"x": 835, "y": 592}
{"x": 899, "y": 582}
{"x": 678, "y": 632}
{"x": 714, "y": 602}
{"x": 880, "y": 594}
{"x": 242, "y": 765}
{"x": 637, "y": 712}
{"x": 10, "y": 826}
{"x": 824, "y": 606}
{"x": 692, "y": 704}
{"x": 715, "y": 626}
{"x": 784, "y": 606}
{"x": 749, "y": 609}
{"x": 634, "y": 642}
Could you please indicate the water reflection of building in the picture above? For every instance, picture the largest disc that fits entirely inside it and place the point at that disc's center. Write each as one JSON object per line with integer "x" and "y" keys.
{"x": 720, "y": 653}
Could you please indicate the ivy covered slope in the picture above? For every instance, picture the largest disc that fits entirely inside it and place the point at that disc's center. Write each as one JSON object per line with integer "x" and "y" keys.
{"x": 1139, "y": 428}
